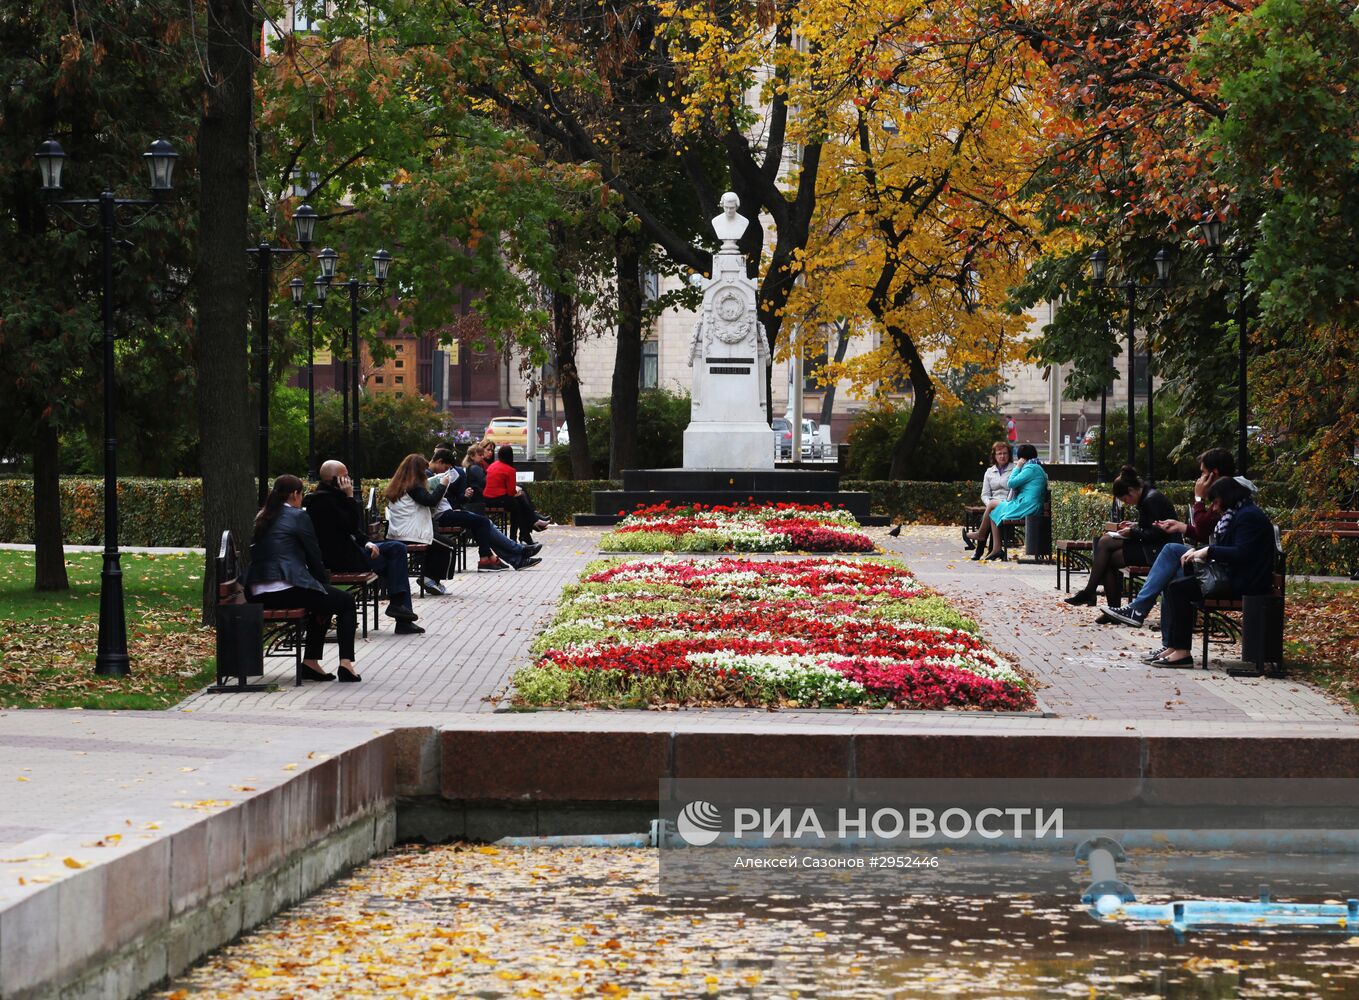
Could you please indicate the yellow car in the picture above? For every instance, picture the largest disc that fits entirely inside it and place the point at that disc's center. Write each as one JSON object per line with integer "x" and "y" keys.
{"x": 508, "y": 430}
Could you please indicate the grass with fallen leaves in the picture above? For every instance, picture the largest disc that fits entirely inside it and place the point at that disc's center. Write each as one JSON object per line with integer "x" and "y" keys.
{"x": 1322, "y": 636}
{"x": 48, "y": 640}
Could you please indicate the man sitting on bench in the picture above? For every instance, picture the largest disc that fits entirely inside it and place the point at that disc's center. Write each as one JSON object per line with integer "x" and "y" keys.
{"x": 450, "y": 514}
{"x": 1214, "y": 464}
{"x": 345, "y": 547}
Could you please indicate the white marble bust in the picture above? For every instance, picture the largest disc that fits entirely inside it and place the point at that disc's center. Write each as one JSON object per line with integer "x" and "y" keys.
{"x": 729, "y": 226}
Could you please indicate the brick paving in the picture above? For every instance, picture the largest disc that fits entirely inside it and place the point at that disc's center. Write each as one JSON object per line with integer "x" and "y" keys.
{"x": 474, "y": 638}
{"x": 1092, "y": 671}
{"x": 478, "y": 634}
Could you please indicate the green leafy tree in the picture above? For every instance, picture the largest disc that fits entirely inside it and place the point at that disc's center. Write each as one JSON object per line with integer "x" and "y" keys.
{"x": 105, "y": 80}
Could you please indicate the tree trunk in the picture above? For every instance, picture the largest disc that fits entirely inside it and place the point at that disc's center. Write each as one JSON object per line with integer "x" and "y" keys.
{"x": 568, "y": 381}
{"x": 841, "y": 348}
{"x": 922, "y": 387}
{"x": 627, "y": 364}
{"x": 49, "y": 561}
{"x": 223, "y": 285}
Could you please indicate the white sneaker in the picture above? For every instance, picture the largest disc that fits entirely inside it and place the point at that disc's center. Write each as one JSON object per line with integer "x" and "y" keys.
{"x": 433, "y": 586}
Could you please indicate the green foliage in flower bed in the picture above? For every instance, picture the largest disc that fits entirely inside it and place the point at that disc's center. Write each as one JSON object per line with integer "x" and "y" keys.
{"x": 917, "y": 502}
{"x": 810, "y": 632}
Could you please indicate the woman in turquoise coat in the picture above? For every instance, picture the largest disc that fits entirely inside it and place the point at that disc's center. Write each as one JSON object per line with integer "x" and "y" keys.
{"x": 1028, "y": 488}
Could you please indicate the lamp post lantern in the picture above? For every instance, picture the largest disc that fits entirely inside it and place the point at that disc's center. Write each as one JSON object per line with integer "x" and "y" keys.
{"x": 1211, "y": 227}
{"x": 298, "y": 288}
{"x": 1099, "y": 265}
{"x": 356, "y": 287}
{"x": 304, "y": 224}
{"x": 111, "y": 659}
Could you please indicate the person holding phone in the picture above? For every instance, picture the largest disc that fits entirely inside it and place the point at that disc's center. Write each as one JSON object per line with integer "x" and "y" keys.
{"x": 1127, "y": 543}
{"x": 345, "y": 548}
{"x": 1214, "y": 464}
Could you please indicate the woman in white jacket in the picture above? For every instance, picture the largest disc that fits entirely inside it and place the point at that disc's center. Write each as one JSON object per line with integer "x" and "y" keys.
{"x": 995, "y": 484}
{"x": 410, "y": 518}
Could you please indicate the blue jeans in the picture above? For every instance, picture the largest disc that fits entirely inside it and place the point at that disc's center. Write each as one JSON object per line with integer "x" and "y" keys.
{"x": 390, "y": 564}
{"x": 483, "y": 530}
{"x": 1164, "y": 571}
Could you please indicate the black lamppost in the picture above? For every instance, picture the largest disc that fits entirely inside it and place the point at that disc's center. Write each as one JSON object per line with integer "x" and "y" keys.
{"x": 1099, "y": 266}
{"x": 111, "y": 658}
{"x": 382, "y": 263}
{"x": 304, "y": 222}
{"x": 1211, "y": 227}
{"x": 298, "y": 288}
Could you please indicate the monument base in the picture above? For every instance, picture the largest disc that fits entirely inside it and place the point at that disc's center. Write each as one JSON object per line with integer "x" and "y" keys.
{"x": 714, "y": 445}
{"x": 682, "y": 487}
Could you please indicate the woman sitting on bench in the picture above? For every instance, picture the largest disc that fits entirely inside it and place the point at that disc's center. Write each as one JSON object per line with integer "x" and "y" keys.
{"x": 1127, "y": 543}
{"x": 1028, "y": 486}
{"x": 286, "y": 571}
{"x": 995, "y": 483}
{"x": 410, "y": 519}
{"x": 1244, "y": 540}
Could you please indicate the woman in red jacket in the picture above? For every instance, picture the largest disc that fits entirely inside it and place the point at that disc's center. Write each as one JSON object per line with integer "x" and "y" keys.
{"x": 503, "y": 490}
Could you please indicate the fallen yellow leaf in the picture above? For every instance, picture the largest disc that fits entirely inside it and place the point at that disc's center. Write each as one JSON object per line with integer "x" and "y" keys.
{"x": 73, "y": 863}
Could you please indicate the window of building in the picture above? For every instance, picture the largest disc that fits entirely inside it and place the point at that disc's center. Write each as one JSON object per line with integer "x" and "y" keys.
{"x": 399, "y": 380}
{"x": 399, "y": 363}
{"x": 651, "y": 364}
{"x": 400, "y": 348}
{"x": 400, "y": 393}
{"x": 810, "y": 367}
{"x": 307, "y": 14}
{"x": 378, "y": 379}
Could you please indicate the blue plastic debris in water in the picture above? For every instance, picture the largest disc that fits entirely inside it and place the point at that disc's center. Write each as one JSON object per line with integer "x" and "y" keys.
{"x": 1111, "y": 899}
{"x": 1219, "y": 913}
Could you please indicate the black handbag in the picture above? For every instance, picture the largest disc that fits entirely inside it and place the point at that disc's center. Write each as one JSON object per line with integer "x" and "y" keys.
{"x": 1215, "y": 580}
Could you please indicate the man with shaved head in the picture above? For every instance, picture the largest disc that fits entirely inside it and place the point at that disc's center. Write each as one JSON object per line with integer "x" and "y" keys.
{"x": 345, "y": 547}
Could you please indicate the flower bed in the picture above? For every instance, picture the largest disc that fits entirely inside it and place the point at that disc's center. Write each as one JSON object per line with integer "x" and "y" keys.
{"x": 784, "y": 527}
{"x": 772, "y": 633}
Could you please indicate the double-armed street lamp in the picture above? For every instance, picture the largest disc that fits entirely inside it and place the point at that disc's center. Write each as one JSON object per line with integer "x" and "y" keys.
{"x": 1099, "y": 268}
{"x": 111, "y": 658}
{"x": 356, "y": 287}
{"x": 1211, "y": 227}
{"x": 298, "y": 288}
{"x": 304, "y": 224}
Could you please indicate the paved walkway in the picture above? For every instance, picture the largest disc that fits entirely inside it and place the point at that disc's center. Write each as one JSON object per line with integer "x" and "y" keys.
{"x": 476, "y": 636}
{"x": 1092, "y": 671}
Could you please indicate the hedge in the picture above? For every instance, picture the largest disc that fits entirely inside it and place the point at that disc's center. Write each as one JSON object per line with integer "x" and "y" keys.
{"x": 168, "y": 511}
{"x": 150, "y": 511}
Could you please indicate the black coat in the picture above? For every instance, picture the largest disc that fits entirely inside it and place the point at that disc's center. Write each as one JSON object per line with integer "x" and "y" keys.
{"x": 288, "y": 552}
{"x": 1153, "y": 507}
{"x": 1247, "y": 547}
{"x": 340, "y": 529}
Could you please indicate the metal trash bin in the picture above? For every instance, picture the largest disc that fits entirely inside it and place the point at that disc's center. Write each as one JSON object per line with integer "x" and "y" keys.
{"x": 1038, "y": 536}
{"x": 240, "y": 646}
{"x": 1262, "y": 625}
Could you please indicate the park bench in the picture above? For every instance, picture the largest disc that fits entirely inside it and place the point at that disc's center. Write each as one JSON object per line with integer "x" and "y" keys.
{"x": 1339, "y": 524}
{"x": 1217, "y": 617}
{"x": 284, "y": 631}
{"x": 365, "y": 587}
{"x": 1073, "y": 554}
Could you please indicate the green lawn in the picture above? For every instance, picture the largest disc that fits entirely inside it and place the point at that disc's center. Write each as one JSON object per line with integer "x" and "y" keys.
{"x": 48, "y": 640}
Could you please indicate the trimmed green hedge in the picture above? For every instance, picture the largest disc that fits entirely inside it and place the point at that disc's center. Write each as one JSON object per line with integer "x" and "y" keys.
{"x": 168, "y": 511}
{"x": 150, "y": 511}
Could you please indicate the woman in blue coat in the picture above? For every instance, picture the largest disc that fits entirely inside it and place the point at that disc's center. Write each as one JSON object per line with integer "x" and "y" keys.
{"x": 1028, "y": 488}
{"x": 1244, "y": 542}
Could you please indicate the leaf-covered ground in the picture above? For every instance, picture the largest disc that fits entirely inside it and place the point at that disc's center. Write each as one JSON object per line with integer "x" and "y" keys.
{"x": 574, "y": 922}
{"x": 48, "y": 640}
{"x": 1322, "y": 632}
